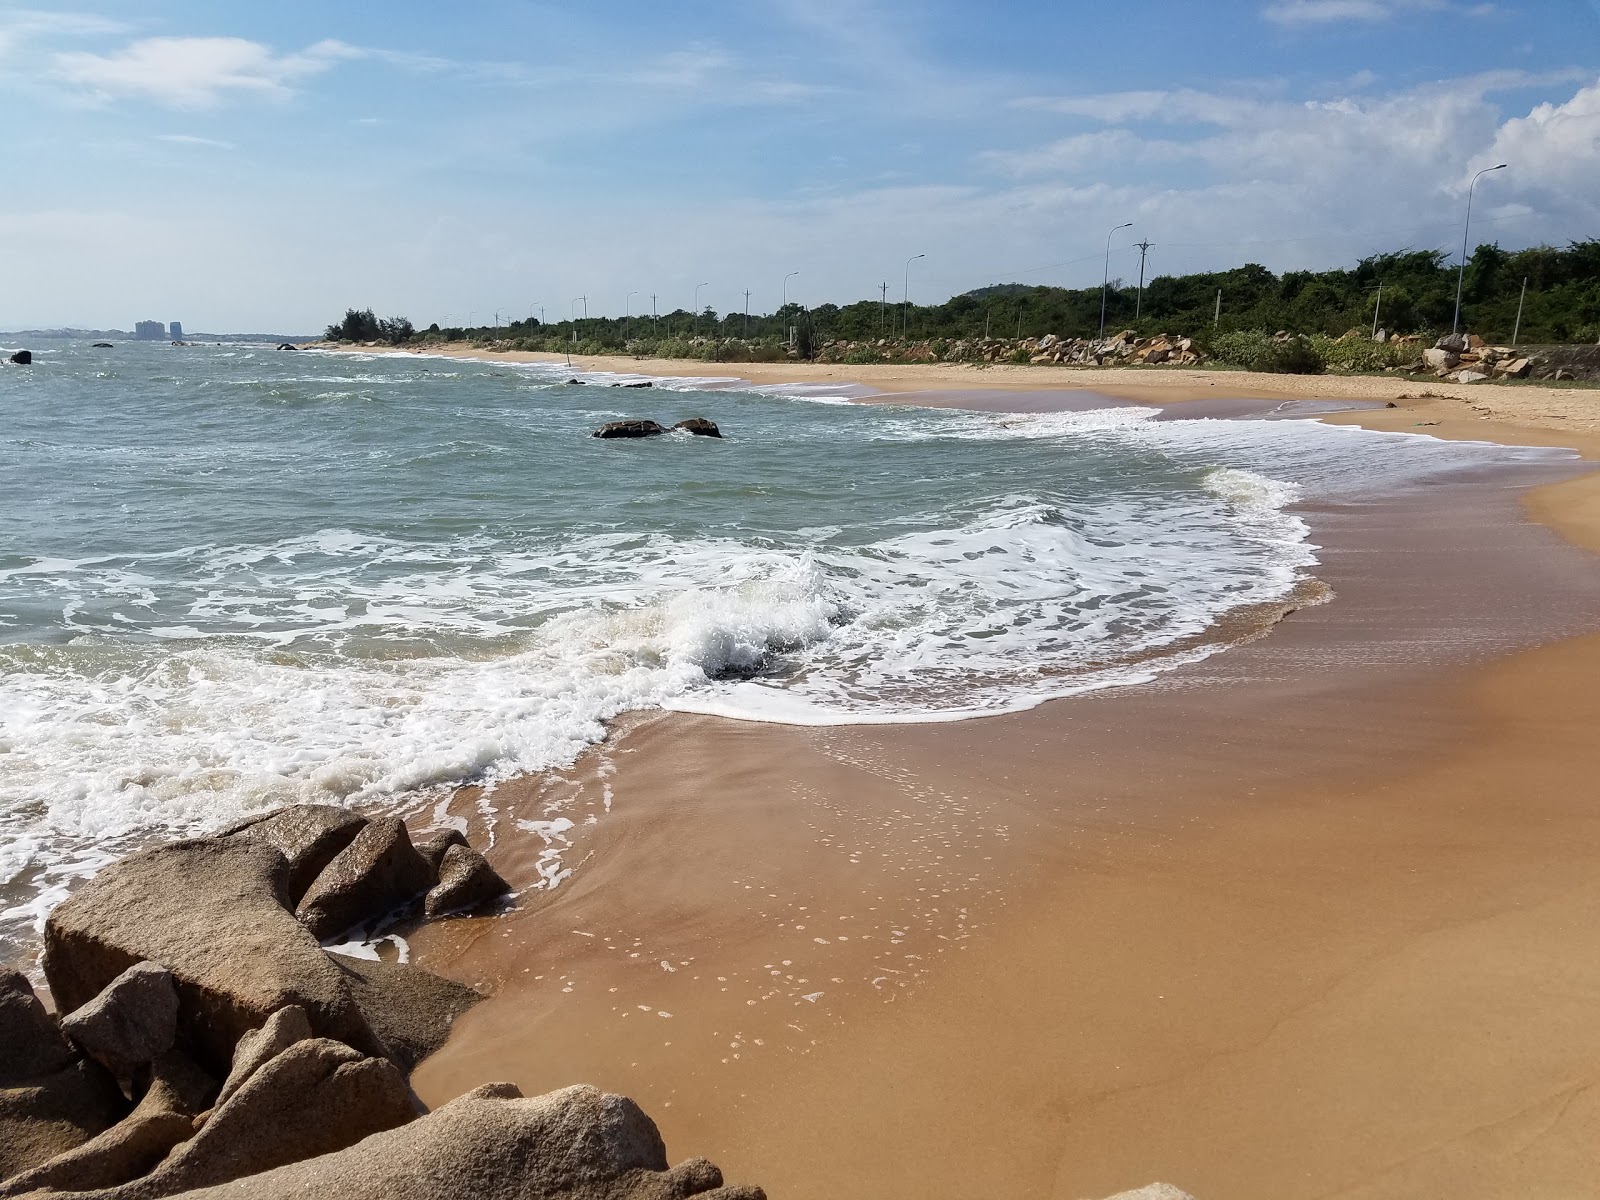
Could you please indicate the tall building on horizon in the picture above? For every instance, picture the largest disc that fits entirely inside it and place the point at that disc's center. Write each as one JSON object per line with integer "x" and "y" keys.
{"x": 150, "y": 331}
{"x": 176, "y": 329}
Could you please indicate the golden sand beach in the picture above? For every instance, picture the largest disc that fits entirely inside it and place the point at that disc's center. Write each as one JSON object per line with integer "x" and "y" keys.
{"x": 1315, "y": 917}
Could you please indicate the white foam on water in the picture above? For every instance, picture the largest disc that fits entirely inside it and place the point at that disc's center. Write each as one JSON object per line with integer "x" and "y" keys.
{"x": 348, "y": 666}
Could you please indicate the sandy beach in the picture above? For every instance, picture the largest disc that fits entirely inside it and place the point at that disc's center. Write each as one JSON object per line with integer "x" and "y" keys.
{"x": 1314, "y": 917}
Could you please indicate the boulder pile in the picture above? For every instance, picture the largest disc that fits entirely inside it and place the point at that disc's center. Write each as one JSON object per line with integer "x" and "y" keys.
{"x": 1120, "y": 349}
{"x": 209, "y": 1044}
{"x": 634, "y": 428}
{"x": 1464, "y": 358}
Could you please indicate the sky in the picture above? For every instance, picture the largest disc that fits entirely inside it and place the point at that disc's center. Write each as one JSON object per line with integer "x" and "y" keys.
{"x": 262, "y": 167}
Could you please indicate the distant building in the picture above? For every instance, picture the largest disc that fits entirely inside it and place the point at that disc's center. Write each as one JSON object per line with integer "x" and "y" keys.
{"x": 150, "y": 331}
{"x": 177, "y": 331}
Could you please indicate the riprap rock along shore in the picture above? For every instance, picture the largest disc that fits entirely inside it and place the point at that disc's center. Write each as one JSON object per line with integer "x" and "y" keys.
{"x": 209, "y": 1045}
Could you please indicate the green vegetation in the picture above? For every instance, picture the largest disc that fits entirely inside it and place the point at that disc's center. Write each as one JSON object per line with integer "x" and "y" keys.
{"x": 1418, "y": 297}
{"x": 362, "y": 325}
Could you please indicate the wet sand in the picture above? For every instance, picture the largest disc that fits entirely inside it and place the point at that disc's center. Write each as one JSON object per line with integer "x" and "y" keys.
{"x": 1314, "y": 917}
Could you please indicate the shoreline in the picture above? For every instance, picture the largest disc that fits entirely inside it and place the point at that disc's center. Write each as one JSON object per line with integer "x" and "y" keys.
{"x": 1310, "y": 918}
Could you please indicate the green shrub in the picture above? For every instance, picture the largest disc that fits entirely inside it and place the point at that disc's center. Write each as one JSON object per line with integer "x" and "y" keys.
{"x": 1362, "y": 354}
{"x": 1258, "y": 351}
{"x": 864, "y": 354}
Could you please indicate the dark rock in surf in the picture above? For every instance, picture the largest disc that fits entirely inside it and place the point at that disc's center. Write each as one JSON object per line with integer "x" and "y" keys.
{"x": 434, "y": 845}
{"x": 310, "y": 836}
{"x": 628, "y": 429}
{"x": 287, "y": 346}
{"x": 700, "y": 427}
{"x": 23, "y": 358}
{"x": 575, "y": 382}
{"x": 646, "y": 384}
{"x": 466, "y": 880}
{"x": 103, "y": 346}
{"x": 375, "y": 874}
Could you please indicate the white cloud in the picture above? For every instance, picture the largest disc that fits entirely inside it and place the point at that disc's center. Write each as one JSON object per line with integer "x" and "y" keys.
{"x": 197, "y": 72}
{"x": 189, "y": 139}
{"x": 1555, "y": 148}
{"x": 22, "y": 25}
{"x": 1327, "y": 12}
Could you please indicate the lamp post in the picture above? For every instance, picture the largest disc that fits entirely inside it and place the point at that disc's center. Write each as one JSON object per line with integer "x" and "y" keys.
{"x": 1461, "y": 271}
{"x": 697, "y": 288}
{"x": 573, "y": 311}
{"x": 905, "y": 297}
{"x": 786, "y": 279}
{"x": 627, "y": 315}
{"x": 1105, "y": 281}
{"x": 471, "y": 313}
{"x": 531, "y": 307}
{"x": 1376, "y": 306}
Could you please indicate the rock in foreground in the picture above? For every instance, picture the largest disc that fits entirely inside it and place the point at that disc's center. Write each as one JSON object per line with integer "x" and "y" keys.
{"x": 491, "y": 1144}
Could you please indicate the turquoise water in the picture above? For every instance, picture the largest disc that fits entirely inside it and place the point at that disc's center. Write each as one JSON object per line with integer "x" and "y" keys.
{"x": 235, "y": 577}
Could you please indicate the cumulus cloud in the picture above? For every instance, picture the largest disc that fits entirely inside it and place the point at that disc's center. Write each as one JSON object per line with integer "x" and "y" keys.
{"x": 198, "y": 72}
{"x": 1323, "y": 178}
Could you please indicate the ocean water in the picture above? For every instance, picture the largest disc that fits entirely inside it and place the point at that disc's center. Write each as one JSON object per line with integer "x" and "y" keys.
{"x": 236, "y": 577}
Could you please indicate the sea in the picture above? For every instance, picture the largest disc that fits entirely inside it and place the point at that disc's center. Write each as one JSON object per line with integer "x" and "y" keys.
{"x": 235, "y": 577}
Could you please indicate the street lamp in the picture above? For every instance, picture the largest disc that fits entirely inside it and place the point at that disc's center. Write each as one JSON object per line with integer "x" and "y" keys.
{"x": 905, "y": 297}
{"x": 1461, "y": 272}
{"x": 573, "y": 310}
{"x": 531, "y": 307}
{"x": 627, "y": 315}
{"x": 1105, "y": 281}
{"x": 697, "y": 288}
{"x": 786, "y": 279}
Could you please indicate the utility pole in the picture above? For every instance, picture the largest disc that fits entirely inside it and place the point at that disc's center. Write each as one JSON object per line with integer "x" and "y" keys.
{"x": 1461, "y": 272}
{"x": 1217, "y": 320}
{"x": 1378, "y": 305}
{"x": 627, "y": 317}
{"x": 1516, "y": 333}
{"x": 905, "y": 298}
{"x": 1105, "y": 283}
{"x": 883, "y": 305}
{"x": 655, "y": 321}
{"x": 747, "y": 314}
{"x": 1138, "y": 306}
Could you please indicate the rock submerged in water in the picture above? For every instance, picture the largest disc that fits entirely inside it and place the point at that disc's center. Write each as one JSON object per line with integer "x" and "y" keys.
{"x": 23, "y": 358}
{"x": 628, "y": 429}
{"x": 635, "y": 428}
{"x": 700, "y": 427}
{"x": 185, "y": 964}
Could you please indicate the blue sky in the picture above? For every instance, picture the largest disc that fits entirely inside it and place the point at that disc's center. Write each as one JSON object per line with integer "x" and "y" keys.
{"x": 262, "y": 166}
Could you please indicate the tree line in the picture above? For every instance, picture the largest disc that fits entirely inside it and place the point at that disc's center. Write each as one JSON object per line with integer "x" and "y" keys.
{"x": 1418, "y": 296}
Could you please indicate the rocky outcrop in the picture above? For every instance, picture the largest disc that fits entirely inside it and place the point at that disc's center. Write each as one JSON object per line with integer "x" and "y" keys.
{"x": 185, "y": 964}
{"x": 700, "y": 427}
{"x": 466, "y": 880}
{"x": 214, "y": 912}
{"x": 255, "y": 1049}
{"x": 628, "y": 429}
{"x": 433, "y": 846}
{"x": 31, "y": 1045}
{"x": 1153, "y": 1191}
{"x": 22, "y": 358}
{"x": 132, "y": 1020}
{"x": 491, "y": 1144}
{"x": 314, "y": 1098}
{"x": 102, "y": 346}
{"x": 177, "y": 1092}
{"x": 51, "y": 1099}
{"x": 310, "y": 836}
{"x": 375, "y": 874}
